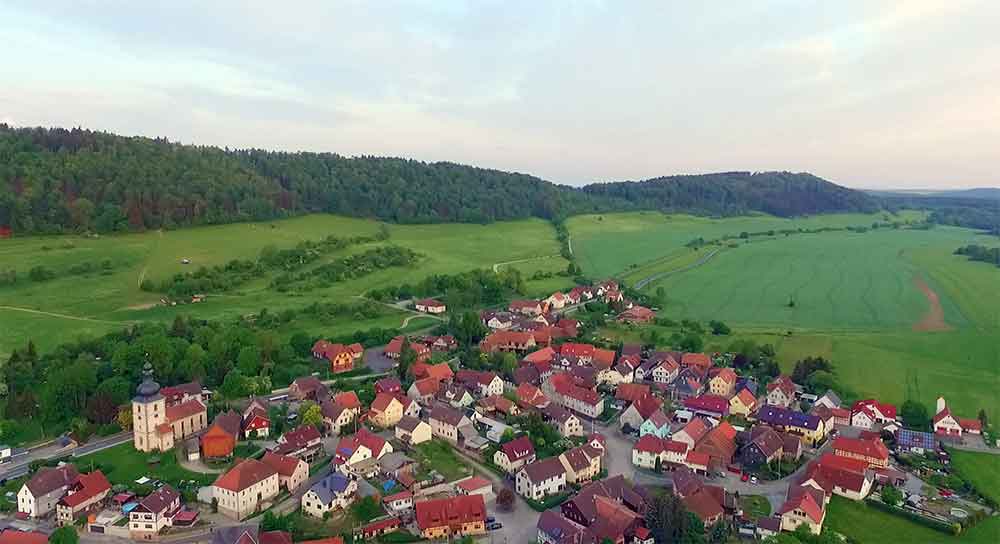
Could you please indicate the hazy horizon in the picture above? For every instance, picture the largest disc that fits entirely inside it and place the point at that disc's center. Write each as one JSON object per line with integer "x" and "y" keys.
{"x": 901, "y": 95}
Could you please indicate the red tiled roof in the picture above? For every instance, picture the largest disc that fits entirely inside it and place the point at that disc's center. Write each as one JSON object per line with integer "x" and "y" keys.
{"x": 382, "y": 402}
{"x": 427, "y": 386}
{"x": 440, "y": 371}
{"x": 703, "y": 504}
{"x": 631, "y": 392}
{"x": 474, "y": 483}
{"x": 244, "y": 475}
{"x": 577, "y": 350}
{"x": 696, "y": 359}
{"x": 48, "y": 479}
{"x": 866, "y": 448}
{"x": 887, "y": 410}
{"x": 531, "y": 395}
{"x": 605, "y": 357}
{"x": 519, "y": 448}
{"x": 90, "y": 486}
{"x": 185, "y": 409}
{"x": 747, "y": 398}
{"x": 970, "y": 424}
{"x": 13, "y": 536}
{"x": 284, "y": 465}
{"x": 647, "y": 405}
{"x": 708, "y": 403}
{"x": 784, "y": 383}
{"x": 726, "y": 374}
{"x": 454, "y": 511}
{"x": 347, "y": 399}
{"x": 697, "y": 458}
{"x": 650, "y": 443}
{"x": 543, "y": 355}
{"x": 803, "y": 499}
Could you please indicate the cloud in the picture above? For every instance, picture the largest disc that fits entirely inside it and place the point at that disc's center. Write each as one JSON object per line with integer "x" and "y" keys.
{"x": 872, "y": 94}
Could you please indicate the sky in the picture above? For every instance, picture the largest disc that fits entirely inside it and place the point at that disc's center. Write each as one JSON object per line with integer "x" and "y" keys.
{"x": 869, "y": 93}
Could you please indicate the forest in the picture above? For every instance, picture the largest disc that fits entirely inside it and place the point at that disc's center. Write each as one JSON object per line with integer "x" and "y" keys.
{"x": 75, "y": 180}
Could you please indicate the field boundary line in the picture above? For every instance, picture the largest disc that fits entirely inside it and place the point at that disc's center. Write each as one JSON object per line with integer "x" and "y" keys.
{"x": 63, "y": 316}
{"x": 660, "y": 275}
{"x": 496, "y": 266}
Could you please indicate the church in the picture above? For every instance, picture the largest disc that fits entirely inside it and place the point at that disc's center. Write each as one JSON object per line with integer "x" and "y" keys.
{"x": 157, "y": 426}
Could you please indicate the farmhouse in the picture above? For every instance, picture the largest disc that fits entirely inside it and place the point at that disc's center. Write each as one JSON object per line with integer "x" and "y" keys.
{"x": 665, "y": 371}
{"x": 84, "y": 496}
{"x": 651, "y": 451}
{"x": 340, "y": 357}
{"x": 719, "y": 444}
{"x": 526, "y": 307}
{"x": 424, "y": 390}
{"x": 292, "y": 472}
{"x": 39, "y": 495}
{"x": 430, "y": 306}
{"x": 836, "y": 475}
{"x": 242, "y": 490}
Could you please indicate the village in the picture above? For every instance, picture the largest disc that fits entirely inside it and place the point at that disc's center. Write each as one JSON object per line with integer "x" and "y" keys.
{"x": 574, "y": 445}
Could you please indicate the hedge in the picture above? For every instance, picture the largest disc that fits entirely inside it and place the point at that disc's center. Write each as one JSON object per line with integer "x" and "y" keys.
{"x": 917, "y": 518}
{"x": 549, "y": 502}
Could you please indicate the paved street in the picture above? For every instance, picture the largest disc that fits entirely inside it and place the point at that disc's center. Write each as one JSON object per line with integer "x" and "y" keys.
{"x": 19, "y": 464}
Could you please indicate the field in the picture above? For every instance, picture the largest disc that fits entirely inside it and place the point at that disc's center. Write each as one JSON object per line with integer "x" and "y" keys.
{"x": 69, "y": 307}
{"x": 857, "y": 296}
{"x": 868, "y": 525}
{"x": 123, "y": 464}
{"x": 981, "y": 469}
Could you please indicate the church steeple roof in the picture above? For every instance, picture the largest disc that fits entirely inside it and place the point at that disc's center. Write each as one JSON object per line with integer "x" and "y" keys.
{"x": 148, "y": 388}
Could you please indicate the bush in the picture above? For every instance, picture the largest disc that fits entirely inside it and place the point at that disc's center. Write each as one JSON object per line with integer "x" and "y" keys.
{"x": 548, "y": 502}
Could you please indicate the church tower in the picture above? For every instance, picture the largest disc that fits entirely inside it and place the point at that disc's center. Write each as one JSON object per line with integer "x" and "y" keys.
{"x": 149, "y": 411}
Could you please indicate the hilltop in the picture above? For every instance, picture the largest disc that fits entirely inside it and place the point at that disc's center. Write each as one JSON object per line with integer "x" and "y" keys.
{"x": 59, "y": 180}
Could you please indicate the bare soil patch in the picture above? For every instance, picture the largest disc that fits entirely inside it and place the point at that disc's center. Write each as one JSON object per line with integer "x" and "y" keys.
{"x": 933, "y": 320}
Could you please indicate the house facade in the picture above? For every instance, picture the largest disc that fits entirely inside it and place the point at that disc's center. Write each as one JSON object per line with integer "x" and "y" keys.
{"x": 40, "y": 494}
{"x": 540, "y": 479}
{"x": 154, "y": 513}
{"x": 244, "y": 488}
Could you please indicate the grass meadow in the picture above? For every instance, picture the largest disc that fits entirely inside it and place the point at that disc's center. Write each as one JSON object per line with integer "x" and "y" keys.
{"x": 981, "y": 469}
{"x": 866, "y": 525}
{"x": 69, "y": 307}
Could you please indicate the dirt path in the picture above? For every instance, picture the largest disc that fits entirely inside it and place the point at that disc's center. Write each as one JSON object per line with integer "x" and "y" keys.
{"x": 933, "y": 320}
{"x": 649, "y": 279}
{"x": 62, "y": 316}
{"x": 496, "y": 267}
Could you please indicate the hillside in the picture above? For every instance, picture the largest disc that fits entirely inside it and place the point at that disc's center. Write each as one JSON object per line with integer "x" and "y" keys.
{"x": 58, "y": 180}
{"x": 783, "y": 194}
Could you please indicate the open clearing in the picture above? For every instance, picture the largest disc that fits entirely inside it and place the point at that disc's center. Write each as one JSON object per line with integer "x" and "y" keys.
{"x": 866, "y": 525}
{"x": 112, "y": 300}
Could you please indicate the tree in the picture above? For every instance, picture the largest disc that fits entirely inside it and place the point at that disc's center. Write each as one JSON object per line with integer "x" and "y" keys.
{"x": 366, "y": 509}
{"x": 891, "y": 495}
{"x": 407, "y": 356}
{"x": 506, "y": 500}
{"x": 312, "y": 414}
{"x": 915, "y": 414}
{"x": 64, "y": 535}
{"x": 982, "y": 417}
{"x": 101, "y": 409}
{"x": 302, "y": 343}
{"x": 249, "y": 361}
{"x": 669, "y": 522}
{"x": 691, "y": 342}
{"x": 719, "y": 328}
{"x": 124, "y": 418}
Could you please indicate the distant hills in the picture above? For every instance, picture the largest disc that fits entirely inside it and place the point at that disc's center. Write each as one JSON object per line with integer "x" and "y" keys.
{"x": 67, "y": 180}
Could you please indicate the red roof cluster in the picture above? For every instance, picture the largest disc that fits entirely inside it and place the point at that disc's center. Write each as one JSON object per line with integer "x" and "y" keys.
{"x": 453, "y": 511}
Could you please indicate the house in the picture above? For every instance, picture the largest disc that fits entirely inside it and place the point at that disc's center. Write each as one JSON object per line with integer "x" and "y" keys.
{"x": 424, "y": 390}
{"x": 496, "y": 320}
{"x": 526, "y": 307}
{"x": 474, "y": 486}
{"x": 637, "y": 314}
{"x": 360, "y": 451}
{"x": 303, "y": 442}
{"x": 443, "y": 343}
{"x": 708, "y": 405}
{"x": 430, "y": 306}
{"x": 555, "y": 528}
{"x": 687, "y": 384}
{"x": 808, "y": 427}
{"x": 446, "y": 422}
{"x": 398, "y": 503}
{"x": 742, "y": 403}
{"x": 340, "y": 357}
{"x": 484, "y": 383}
{"x": 693, "y": 432}
{"x": 251, "y": 534}
{"x": 413, "y": 431}
{"x": 639, "y": 411}
{"x": 707, "y": 503}
{"x": 701, "y": 361}
{"x": 557, "y": 300}
{"x": 256, "y": 423}
{"x": 651, "y": 452}
{"x": 308, "y": 388}
{"x": 176, "y": 394}
{"x": 665, "y": 371}
{"x": 530, "y": 397}
{"x": 451, "y": 517}
{"x": 292, "y": 472}
{"x": 868, "y": 413}
{"x": 722, "y": 382}
{"x": 385, "y": 411}
{"x": 803, "y": 506}
{"x": 836, "y": 475}
{"x": 780, "y": 392}
{"x": 631, "y": 392}
{"x": 611, "y": 509}
{"x": 219, "y": 440}
{"x": 243, "y": 489}
{"x": 719, "y": 444}
{"x": 829, "y": 399}
{"x": 84, "y": 496}
{"x": 540, "y": 479}
{"x": 657, "y": 424}
{"x": 340, "y": 412}
{"x": 871, "y": 451}
{"x": 156, "y": 426}
{"x": 40, "y": 494}
{"x": 388, "y": 385}
{"x": 948, "y": 426}
{"x": 562, "y": 389}
{"x": 515, "y": 454}
{"x": 765, "y": 446}
{"x": 336, "y": 491}
{"x": 378, "y": 528}
{"x": 582, "y": 463}
{"x": 498, "y": 403}
{"x": 154, "y": 513}
{"x": 566, "y": 423}
{"x": 767, "y": 527}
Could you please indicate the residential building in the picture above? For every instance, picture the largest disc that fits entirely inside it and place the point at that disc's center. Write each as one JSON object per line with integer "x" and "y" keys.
{"x": 484, "y": 383}
{"x": 360, "y": 452}
{"x": 693, "y": 432}
{"x": 243, "y": 489}
{"x": 40, "y": 494}
{"x": 451, "y": 517}
{"x": 303, "y": 442}
{"x": 340, "y": 357}
{"x": 256, "y": 423}
{"x": 582, "y": 463}
{"x": 398, "y": 503}
{"x": 871, "y": 451}
{"x": 563, "y": 390}
{"x": 722, "y": 382}
{"x": 829, "y": 399}
{"x": 413, "y": 431}
{"x": 836, "y": 475}
{"x": 743, "y": 403}
{"x": 156, "y": 426}
{"x": 446, "y": 421}
{"x": 566, "y": 423}
{"x": 430, "y": 306}
{"x": 803, "y": 506}
{"x": 154, "y": 513}
{"x": 515, "y": 454}
{"x": 781, "y": 392}
{"x": 292, "y": 472}
{"x": 251, "y": 534}
{"x": 530, "y": 397}
{"x": 708, "y": 405}
{"x": 84, "y": 496}
{"x": 385, "y": 411}
{"x": 657, "y": 424}
{"x": 808, "y": 427}
{"x": 424, "y": 390}
{"x": 336, "y": 491}
{"x": 639, "y": 411}
{"x": 341, "y": 412}
{"x": 388, "y": 385}
{"x": 308, "y": 388}
{"x": 719, "y": 444}
{"x": 540, "y": 479}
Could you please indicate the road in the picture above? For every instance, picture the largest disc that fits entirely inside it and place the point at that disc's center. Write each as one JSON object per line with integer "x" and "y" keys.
{"x": 21, "y": 461}
{"x": 519, "y": 525}
{"x": 647, "y": 280}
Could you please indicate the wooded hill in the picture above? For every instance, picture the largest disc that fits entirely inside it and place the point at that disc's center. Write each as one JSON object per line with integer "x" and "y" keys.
{"x": 59, "y": 180}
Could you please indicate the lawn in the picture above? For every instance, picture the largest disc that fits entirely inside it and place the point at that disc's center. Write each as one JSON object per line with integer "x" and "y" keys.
{"x": 755, "y": 506}
{"x": 122, "y": 464}
{"x": 982, "y": 470}
{"x": 865, "y": 525}
{"x": 84, "y": 306}
{"x": 438, "y": 455}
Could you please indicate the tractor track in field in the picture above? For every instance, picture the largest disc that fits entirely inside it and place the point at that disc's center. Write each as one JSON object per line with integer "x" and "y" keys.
{"x": 933, "y": 319}
{"x": 62, "y": 316}
{"x": 660, "y": 275}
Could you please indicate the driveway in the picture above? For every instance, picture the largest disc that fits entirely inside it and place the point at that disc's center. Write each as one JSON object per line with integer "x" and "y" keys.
{"x": 520, "y": 525}
{"x": 376, "y": 360}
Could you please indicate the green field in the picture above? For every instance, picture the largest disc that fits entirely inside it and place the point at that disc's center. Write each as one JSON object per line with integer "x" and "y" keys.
{"x": 866, "y": 525}
{"x": 980, "y": 469}
{"x": 77, "y": 306}
{"x": 123, "y": 464}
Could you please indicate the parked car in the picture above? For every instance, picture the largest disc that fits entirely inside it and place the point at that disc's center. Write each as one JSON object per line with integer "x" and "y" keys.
{"x": 745, "y": 477}
{"x": 490, "y": 519}
{"x": 753, "y": 480}
{"x": 494, "y": 526}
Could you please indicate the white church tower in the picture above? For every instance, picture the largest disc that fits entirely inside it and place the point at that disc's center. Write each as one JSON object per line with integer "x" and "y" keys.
{"x": 149, "y": 412}
{"x": 940, "y": 405}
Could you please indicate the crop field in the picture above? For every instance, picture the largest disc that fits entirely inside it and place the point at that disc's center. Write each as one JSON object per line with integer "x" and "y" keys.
{"x": 981, "y": 469}
{"x": 71, "y": 306}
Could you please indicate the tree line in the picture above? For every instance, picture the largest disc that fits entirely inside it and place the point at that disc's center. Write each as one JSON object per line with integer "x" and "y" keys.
{"x": 976, "y": 252}
{"x": 58, "y": 180}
